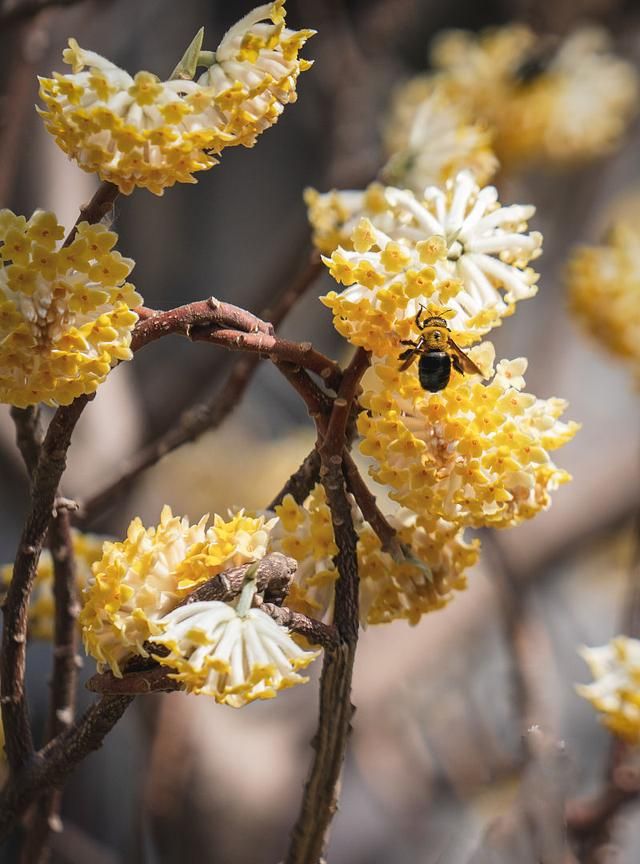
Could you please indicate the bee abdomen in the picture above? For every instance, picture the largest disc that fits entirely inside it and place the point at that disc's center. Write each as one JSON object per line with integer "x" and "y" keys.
{"x": 434, "y": 370}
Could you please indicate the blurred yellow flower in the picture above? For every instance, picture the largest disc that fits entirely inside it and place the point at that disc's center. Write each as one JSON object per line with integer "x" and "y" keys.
{"x": 544, "y": 101}
{"x": 390, "y": 589}
{"x": 141, "y": 131}
{"x": 604, "y": 292}
{"x": 65, "y": 313}
{"x": 141, "y": 579}
{"x": 615, "y": 691}
{"x": 474, "y": 454}
{"x": 87, "y": 549}
{"x": 235, "y": 658}
{"x": 429, "y": 139}
{"x": 457, "y": 248}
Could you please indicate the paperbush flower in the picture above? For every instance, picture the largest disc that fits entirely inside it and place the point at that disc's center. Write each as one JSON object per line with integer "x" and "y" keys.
{"x": 475, "y": 454}
{"x": 423, "y": 581}
{"x": 141, "y": 131}
{"x": 65, "y": 313}
{"x": 141, "y": 579}
{"x": 234, "y": 658}
{"x": 543, "y": 101}
{"x": 615, "y": 691}
{"x": 604, "y": 292}
{"x": 87, "y": 549}
{"x": 429, "y": 139}
{"x": 457, "y": 248}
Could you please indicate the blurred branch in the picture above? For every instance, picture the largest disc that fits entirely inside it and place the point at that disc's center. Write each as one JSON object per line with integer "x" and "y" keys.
{"x": 10, "y": 15}
{"x": 29, "y": 434}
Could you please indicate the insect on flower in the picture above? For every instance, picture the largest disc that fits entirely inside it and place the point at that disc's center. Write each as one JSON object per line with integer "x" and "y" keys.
{"x": 437, "y": 352}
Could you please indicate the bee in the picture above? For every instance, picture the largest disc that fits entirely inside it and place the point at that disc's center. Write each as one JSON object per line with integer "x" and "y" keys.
{"x": 437, "y": 352}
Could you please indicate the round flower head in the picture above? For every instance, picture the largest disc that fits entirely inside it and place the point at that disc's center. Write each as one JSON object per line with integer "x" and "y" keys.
{"x": 615, "y": 691}
{"x": 604, "y": 292}
{"x": 458, "y": 248}
{"x": 429, "y": 139}
{"x": 65, "y": 313}
{"x": 87, "y": 549}
{"x": 474, "y": 454}
{"x": 141, "y": 131}
{"x": 545, "y": 101}
{"x": 234, "y": 658}
{"x": 140, "y": 579}
{"x": 421, "y": 581}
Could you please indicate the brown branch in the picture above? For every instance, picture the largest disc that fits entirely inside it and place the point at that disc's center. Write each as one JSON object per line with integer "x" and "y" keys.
{"x": 273, "y": 576}
{"x": 28, "y": 9}
{"x": 49, "y": 470}
{"x": 209, "y": 414}
{"x": 315, "y": 631}
{"x": 371, "y": 513}
{"x": 51, "y": 766}
{"x": 29, "y": 434}
{"x": 301, "y": 482}
{"x": 98, "y": 207}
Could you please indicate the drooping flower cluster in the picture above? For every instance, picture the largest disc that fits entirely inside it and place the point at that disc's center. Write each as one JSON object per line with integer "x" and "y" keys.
{"x": 141, "y": 579}
{"x": 429, "y": 139}
{"x": 234, "y": 658}
{"x": 604, "y": 292}
{"x": 475, "y": 454}
{"x": 87, "y": 549}
{"x": 542, "y": 100}
{"x": 615, "y": 691}
{"x": 422, "y": 581}
{"x": 141, "y": 131}
{"x": 65, "y": 312}
{"x": 457, "y": 248}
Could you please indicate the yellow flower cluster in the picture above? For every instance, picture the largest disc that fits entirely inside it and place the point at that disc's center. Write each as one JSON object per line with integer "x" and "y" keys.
{"x": 429, "y": 139}
{"x": 141, "y": 131}
{"x": 235, "y": 658}
{"x": 389, "y": 589}
{"x": 474, "y": 454}
{"x": 604, "y": 292}
{"x": 87, "y": 549}
{"x": 615, "y": 691}
{"x": 542, "y": 100}
{"x": 456, "y": 247}
{"x": 65, "y": 313}
{"x": 141, "y": 579}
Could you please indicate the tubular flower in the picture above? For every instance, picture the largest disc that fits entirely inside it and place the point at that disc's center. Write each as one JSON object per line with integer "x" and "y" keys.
{"x": 474, "y": 454}
{"x": 544, "y": 101}
{"x": 458, "y": 248}
{"x": 87, "y": 549}
{"x": 604, "y": 289}
{"x": 141, "y": 579}
{"x": 65, "y": 313}
{"x": 234, "y": 658}
{"x": 141, "y": 131}
{"x": 429, "y": 139}
{"x": 615, "y": 691}
{"x": 390, "y": 589}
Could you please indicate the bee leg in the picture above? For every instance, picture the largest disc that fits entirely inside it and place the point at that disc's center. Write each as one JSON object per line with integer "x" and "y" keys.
{"x": 410, "y": 342}
{"x": 408, "y": 353}
{"x": 457, "y": 365}
{"x": 419, "y": 323}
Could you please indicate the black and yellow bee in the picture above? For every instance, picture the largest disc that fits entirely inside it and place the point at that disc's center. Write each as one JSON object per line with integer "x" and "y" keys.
{"x": 437, "y": 352}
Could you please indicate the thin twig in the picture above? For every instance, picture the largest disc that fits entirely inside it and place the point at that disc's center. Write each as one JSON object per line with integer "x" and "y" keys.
{"x": 301, "y": 482}
{"x": 29, "y": 434}
{"x": 49, "y": 470}
{"x": 98, "y": 207}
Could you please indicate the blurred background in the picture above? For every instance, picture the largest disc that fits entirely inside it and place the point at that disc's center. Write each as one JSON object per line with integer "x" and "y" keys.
{"x": 441, "y": 767}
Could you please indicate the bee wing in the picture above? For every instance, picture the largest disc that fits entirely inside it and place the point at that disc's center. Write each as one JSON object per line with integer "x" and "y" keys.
{"x": 407, "y": 357}
{"x": 465, "y": 363}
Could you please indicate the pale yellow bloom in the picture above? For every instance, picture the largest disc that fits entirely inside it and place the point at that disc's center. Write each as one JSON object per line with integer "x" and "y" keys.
{"x": 456, "y": 247}
{"x": 604, "y": 292}
{"x": 235, "y": 658}
{"x": 475, "y": 454}
{"x": 429, "y": 139}
{"x": 141, "y": 131}
{"x": 142, "y": 578}
{"x": 87, "y": 549}
{"x": 422, "y": 581}
{"x": 66, "y": 314}
{"x": 615, "y": 691}
{"x": 544, "y": 102}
